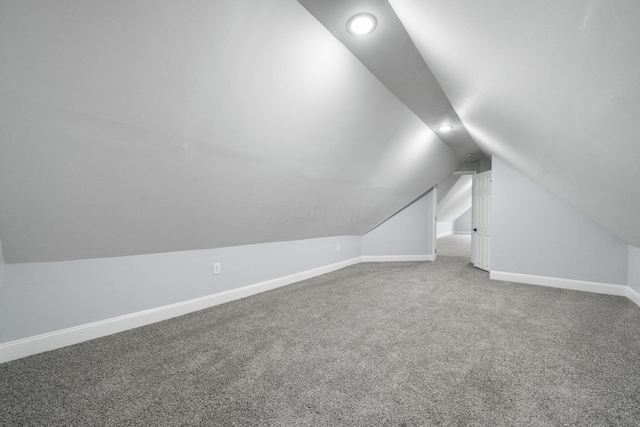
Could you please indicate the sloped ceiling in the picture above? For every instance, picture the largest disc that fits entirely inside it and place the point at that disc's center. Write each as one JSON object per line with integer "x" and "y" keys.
{"x": 446, "y": 185}
{"x": 551, "y": 87}
{"x": 390, "y": 54}
{"x": 457, "y": 200}
{"x": 151, "y": 126}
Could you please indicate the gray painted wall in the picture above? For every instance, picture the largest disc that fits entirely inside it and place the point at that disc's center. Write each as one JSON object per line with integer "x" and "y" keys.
{"x": 634, "y": 268}
{"x": 536, "y": 233}
{"x": 444, "y": 228}
{"x": 1, "y": 266}
{"x": 43, "y": 297}
{"x": 409, "y": 232}
{"x": 463, "y": 223}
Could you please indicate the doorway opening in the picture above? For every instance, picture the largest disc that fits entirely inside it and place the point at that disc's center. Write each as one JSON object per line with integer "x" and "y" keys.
{"x": 454, "y": 216}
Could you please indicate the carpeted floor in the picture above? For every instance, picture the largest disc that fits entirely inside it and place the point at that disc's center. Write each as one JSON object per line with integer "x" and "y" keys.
{"x": 454, "y": 245}
{"x": 429, "y": 344}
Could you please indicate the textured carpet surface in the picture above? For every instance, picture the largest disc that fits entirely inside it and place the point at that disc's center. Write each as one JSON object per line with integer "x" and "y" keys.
{"x": 455, "y": 245}
{"x": 433, "y": 343}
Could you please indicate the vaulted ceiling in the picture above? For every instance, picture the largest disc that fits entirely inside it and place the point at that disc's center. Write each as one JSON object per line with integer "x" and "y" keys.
{"x": 553, "y": 88}
{"x": 151, "y": 126}
{"x": 457, "y": 199}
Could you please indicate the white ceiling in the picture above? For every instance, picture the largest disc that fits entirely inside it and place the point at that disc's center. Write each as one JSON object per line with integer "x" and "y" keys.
{"x": 552, "y": 87}
{"x": 154, "y": 125}
{"x": 391, "y": 56}
{"x": 457, "y": 200}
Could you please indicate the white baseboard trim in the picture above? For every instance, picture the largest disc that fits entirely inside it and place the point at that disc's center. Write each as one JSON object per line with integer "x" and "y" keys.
{"x": 462, "y": 232}
{"x": 397, "y": 258}
{"x": 633, "y": 295}
{"x": 77, "y": 334}
{"x": 62, "y": 338}
{"x": 554, "y": 282}
{"x": 448, "y": 233}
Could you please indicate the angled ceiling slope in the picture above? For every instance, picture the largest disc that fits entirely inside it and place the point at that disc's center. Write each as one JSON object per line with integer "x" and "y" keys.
{"x": 153, "y": 126}
{"x": 457, "y": 200}
{"x": 550, "y": 87}
{"x": 390, "y": 54}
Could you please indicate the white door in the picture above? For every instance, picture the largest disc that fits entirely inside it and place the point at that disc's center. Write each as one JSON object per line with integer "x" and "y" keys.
{"x": 481, "y": 221}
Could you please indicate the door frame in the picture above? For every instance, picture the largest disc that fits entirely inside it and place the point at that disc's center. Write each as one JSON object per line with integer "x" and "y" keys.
{"x": 434, "y": 223}
{"x": 486, "y": 264}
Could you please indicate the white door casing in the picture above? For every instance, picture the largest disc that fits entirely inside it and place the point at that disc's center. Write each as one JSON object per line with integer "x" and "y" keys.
{"x": 434, "y": 222}
{"x": 481, "y": 221}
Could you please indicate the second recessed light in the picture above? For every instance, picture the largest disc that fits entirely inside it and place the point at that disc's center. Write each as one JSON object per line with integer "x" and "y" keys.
{"x": 445, "y": 128}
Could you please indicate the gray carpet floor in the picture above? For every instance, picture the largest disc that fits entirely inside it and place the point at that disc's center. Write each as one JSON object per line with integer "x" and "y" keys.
{"x": 412, "y": 344}
{"x": 454, "y": 245}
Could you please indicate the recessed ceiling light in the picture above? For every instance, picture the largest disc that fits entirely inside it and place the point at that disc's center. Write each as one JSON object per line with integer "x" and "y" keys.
{"x": 470, "y": 155}
{"x": 361, "y": 24}
{"x": 445, "y": 128}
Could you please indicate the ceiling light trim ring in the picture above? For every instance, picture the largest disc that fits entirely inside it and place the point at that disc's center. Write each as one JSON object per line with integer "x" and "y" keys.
{"x": 362, "y": 24}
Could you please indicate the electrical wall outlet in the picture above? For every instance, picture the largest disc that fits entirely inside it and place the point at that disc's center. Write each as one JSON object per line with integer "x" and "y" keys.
{"x": 216, "y": 268}
{"x": 338, "y": 247}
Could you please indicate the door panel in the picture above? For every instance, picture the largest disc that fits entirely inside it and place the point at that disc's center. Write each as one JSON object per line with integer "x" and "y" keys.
{"x": 481, "y": 221}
